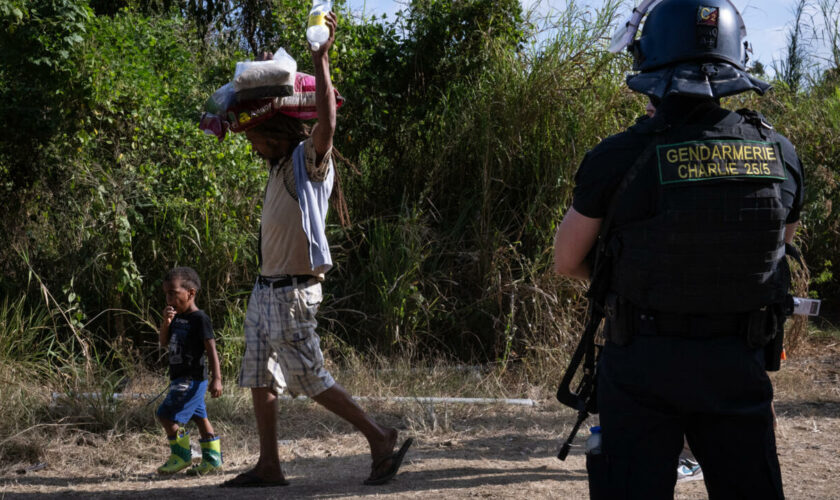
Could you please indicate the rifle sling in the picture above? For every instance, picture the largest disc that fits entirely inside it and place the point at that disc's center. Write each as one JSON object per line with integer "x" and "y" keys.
{"x": 585, "y": 350}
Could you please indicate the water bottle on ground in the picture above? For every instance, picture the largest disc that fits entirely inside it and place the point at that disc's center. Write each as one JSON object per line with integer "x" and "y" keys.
{"x": 317, "y": 33}
{"x": 593, "y": 443}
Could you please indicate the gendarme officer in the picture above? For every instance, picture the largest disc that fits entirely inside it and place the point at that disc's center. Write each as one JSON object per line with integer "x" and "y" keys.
{"x": 698, "y": 203}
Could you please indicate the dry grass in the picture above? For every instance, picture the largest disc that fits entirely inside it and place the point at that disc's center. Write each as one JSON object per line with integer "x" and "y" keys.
{"x": 812, "y": 374}
{"x": 796, "y": 329}
{"x": 373, "y": 376}
{"x": 484, "y": 451}
{"x": 461, "y": 451}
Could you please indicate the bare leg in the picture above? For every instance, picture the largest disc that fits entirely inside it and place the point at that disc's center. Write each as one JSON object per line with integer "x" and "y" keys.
{"x": 205, "y": 428}
{"x": 265, "y": 410}
{"x": 381, "y": 439}
{"x": 170, "y": 427}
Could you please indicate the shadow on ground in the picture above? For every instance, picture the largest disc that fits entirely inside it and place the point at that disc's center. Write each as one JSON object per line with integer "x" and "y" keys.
{"x": 816, "y": 409}
{"x": 504, "y": 460}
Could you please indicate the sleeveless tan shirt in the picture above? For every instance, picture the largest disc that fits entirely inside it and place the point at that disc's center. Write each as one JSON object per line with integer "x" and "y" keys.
{"x": 285, "y": 248}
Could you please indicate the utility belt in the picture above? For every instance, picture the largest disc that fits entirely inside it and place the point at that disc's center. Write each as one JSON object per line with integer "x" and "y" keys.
{"x": 624, "y": 321}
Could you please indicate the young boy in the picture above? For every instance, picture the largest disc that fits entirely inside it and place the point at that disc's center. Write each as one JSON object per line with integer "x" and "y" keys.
{"x": 187, "y": 331}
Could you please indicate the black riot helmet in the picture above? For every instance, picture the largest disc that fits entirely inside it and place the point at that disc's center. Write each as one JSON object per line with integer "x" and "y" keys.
{"x": 690, "y": 30}
{"x": 690, "y": 47}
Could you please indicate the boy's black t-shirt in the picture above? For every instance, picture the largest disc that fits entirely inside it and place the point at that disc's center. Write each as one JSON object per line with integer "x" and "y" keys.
{"x": 187, "y": 334}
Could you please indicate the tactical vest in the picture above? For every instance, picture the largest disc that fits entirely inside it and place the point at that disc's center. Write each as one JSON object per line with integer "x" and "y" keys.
{"x": 716, "y": 242}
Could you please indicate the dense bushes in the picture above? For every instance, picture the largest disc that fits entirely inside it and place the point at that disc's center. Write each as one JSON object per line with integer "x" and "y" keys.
{"x": 466, "y": 131}
{"x": 141, "y": 188}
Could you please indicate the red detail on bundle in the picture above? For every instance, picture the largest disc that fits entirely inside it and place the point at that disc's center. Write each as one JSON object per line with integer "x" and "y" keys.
{"x": 213, "y": 124}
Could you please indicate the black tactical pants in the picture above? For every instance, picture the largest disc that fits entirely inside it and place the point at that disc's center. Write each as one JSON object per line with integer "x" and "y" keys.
{"x": 713, "y": 391}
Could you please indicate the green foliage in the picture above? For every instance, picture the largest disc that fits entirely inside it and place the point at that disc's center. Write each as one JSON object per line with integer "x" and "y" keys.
{"x": 143, "y": 190}
{"x": 41, "y": 94}
{"x": 24, "y": 334}
{"x": 486, "y": 168}
{"x": 467, "y": 131}
{"x": 401, "y": 74}
{"x": 256, "y": 25}
{"x": 171, "y": 195}
{"x": 230, "y": 342}
{"x": 145, "y": 7}
{"x": 385, "y": 297}
{"x": 13, "y": 12}
{"x": 448, "y": 40}
{"x": 792, "y": 69}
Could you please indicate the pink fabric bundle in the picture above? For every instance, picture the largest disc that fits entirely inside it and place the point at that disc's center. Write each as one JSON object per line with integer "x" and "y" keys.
{"x": 241, "y": 116}
{"x": 301, "y": 104}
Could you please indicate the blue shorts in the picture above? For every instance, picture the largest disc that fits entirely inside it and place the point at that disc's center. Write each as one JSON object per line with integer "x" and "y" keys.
{"x": 184, "y": 401}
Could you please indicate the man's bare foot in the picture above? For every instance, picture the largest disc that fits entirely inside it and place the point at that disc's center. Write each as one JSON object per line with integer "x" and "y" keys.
{"x": 384, "y": 448}
{"x": 267, "y": 473}
{"x": 256, "y": 479}
{"x": 385, "y": 466}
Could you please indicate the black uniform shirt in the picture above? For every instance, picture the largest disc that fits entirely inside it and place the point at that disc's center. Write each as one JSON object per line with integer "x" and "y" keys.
{"x": 604, "y": 166}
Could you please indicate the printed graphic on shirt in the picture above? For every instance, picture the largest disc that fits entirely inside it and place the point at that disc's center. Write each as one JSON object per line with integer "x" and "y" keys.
{"x": 699, "y": 161}
{"x": 179, "y": 331}
{"x": 187, "y": 334}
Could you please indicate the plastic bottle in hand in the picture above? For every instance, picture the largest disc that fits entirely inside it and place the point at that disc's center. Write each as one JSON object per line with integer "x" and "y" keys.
{"x": 317, "y": 33}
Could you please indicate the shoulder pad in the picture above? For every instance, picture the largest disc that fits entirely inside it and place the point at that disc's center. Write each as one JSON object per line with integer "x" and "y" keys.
{"x": 649, "y": 126}
{"x": 755, "y": 118}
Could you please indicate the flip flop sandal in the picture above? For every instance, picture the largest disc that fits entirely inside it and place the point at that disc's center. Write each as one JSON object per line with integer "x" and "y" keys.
{"x": 396, "y": 461}
{"x": 250, "y": 480}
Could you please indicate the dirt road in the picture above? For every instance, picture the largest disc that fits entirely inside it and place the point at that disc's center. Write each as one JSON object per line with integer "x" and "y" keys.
{"x": 460, "y": 452}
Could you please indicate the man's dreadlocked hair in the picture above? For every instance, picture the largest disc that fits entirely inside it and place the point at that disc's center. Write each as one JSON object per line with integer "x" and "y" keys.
{"x": 285, "y": 126}
{"x": 296, "y": 130}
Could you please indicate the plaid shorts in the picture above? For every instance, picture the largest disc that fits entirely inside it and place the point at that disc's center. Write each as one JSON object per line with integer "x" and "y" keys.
{"x": 282, "y": 349}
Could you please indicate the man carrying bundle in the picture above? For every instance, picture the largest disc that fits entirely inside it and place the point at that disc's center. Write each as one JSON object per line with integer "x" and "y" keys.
{"x": 282, "y": 348}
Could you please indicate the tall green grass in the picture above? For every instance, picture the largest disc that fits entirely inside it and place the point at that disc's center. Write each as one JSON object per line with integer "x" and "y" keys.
{"x": 482, "y": 180}
{"x": 24, "y": 334}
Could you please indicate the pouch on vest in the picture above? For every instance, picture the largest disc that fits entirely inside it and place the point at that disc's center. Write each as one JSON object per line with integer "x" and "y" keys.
{"x": 761, "y": 327}
{"x": 773, "y": 349}
{"x": 777, "y": 314}
{"x": 619, "y": 320}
